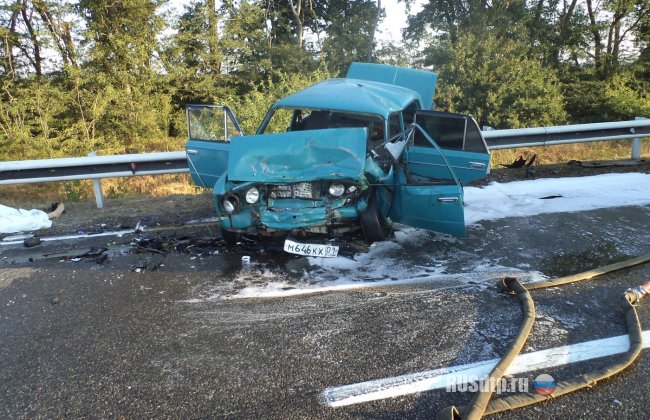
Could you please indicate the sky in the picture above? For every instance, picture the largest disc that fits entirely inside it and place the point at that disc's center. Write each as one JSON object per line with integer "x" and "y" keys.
{"x": 395, "y": 20}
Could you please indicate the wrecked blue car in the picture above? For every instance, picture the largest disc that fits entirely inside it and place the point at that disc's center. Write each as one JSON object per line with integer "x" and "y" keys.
{"x": 344, "y": 155}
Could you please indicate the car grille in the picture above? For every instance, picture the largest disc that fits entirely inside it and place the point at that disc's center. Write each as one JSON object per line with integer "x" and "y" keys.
{"x": 305, "y": 190}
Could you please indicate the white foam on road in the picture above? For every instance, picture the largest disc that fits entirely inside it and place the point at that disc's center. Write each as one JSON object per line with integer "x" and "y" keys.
{"x": 441, "y": 378}
{"x": 526, "y": 198}
{"x": 481, "y": 278}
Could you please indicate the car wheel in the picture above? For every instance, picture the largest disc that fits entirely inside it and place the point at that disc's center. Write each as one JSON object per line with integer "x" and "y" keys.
{"x": 375, "y": 227}
{"x": 230, "y": 237}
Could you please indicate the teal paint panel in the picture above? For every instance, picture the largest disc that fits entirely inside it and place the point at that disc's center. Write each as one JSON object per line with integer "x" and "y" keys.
{"x": 467, "y": 166}
{"x": 299, "y": 156}
{"x": 207, "y": 161}
{"x": 421, "y": 81}
{"x": 352, "y": 95}
{"x": 438, "y": 208}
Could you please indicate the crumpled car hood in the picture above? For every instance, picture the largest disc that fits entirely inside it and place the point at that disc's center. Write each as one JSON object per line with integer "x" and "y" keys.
{"x": 298, "y": 156}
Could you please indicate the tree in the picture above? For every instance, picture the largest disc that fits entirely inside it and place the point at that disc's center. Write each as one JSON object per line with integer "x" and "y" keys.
{"x": 60, "y": 30}
{"x": 121, "y": 39}
{"x": 21, "y": 39}
{"x": 612, "y": 23}
{"x": 494, "y": 81}
{"x": 349, "y": 32}
{"x": 299, "y": 10}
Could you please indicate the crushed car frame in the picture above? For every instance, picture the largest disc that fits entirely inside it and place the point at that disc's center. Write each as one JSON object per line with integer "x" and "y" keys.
{"x": 342, "y": 155}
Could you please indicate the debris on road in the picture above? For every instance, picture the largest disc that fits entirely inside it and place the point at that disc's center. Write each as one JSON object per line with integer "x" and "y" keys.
{"x": 147, "y": 264}
{"x": 32, "y": 242}
{"x": 606, "y": 163}
{"x": 518, "y": 163}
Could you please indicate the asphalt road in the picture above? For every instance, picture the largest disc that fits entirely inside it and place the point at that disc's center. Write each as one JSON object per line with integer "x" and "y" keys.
{"x": 162, "y": 330}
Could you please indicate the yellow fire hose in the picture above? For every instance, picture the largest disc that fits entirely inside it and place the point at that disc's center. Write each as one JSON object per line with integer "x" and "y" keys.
{"x": 481, "y": 404}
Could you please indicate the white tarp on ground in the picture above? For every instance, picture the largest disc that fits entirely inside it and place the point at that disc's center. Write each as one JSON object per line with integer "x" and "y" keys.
{"x": 20, "y": 220}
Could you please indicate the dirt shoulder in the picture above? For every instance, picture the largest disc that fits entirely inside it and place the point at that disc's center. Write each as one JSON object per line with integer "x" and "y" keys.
{"x": 561, "y": 170}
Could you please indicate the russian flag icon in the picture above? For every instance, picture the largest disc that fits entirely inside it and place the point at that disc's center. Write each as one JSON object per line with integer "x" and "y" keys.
{"x": 544, "y": 384}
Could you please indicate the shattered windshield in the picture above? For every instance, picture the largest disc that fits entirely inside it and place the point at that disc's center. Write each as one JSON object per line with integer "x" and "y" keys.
{"x": 291, "y": 119}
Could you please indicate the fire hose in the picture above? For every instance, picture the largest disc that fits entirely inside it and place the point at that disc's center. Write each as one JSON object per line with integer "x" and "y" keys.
{"x": 481, "y": 404}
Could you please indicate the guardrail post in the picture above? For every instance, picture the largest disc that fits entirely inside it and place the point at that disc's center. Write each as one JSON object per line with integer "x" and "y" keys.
{"x": 636, "y": 144}
{"x": 97, "y": 186}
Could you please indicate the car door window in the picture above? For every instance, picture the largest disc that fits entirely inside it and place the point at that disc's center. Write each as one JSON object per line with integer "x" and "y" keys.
{"x": 394, "y": 124}
{"x": 459, "y": 138}
{"x": 473, "y": 140}
{"x": 408, "y": 115}
{"x": 447, "y": 130}
{"x": 211, "y": 123}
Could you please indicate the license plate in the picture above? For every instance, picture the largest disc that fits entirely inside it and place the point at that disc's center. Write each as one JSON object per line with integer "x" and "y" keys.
{"x": 311, "y": 250}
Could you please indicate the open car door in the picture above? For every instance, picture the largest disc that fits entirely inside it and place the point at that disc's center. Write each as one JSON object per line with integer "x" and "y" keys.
{"x": 427, "y": 197}
{"x": 210, "y": 128}
{"x": 459, "y": 138}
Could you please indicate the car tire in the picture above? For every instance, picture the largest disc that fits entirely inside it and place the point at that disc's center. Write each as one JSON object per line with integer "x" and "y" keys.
{"x": 230, "y": 237}
{"x": 375, "y": 227}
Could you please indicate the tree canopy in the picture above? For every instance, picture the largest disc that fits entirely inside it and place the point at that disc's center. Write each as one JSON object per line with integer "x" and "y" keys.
{"x": 114, "y": 76}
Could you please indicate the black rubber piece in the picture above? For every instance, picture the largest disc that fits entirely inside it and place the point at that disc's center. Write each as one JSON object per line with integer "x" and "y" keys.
{"x": 30, "y": 242}
{"x": 374, "y": 227}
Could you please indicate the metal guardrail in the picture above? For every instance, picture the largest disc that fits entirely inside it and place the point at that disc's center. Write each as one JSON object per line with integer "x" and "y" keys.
{"x": 98, "y": 167}
{"x": 92, "y": 167}
{"x": 567, "y": 134}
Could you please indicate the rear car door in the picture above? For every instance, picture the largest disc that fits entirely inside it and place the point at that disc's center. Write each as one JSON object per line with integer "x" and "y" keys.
{"x": 210, "y": 128}
{"x": 428, "y": 197}
{"x": 460, "y": 139}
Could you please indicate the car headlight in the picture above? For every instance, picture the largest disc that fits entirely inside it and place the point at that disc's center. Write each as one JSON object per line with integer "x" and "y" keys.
{"x": 230, "y": 203}
{"x": 252, "y": 195}
{"x": 336, "y": 190}
{"x": 351, "y": 189}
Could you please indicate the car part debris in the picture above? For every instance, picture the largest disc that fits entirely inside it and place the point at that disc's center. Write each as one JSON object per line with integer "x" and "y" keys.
{"x": 518, "y": 163}
{"x": 139, "y": 227}
{"x": 31, "y": 242}
{"x": 147, "y": 264}
{"x": 97, "y": 255}
{"x": 530, "y": 172}
{"x": 481, "y": 404}
{"x": 531, "y": 160}
{"x": 606, "y": 163}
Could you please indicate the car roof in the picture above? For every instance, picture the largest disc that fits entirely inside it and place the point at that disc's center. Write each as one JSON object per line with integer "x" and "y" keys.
{"x": 352, "y": 95}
